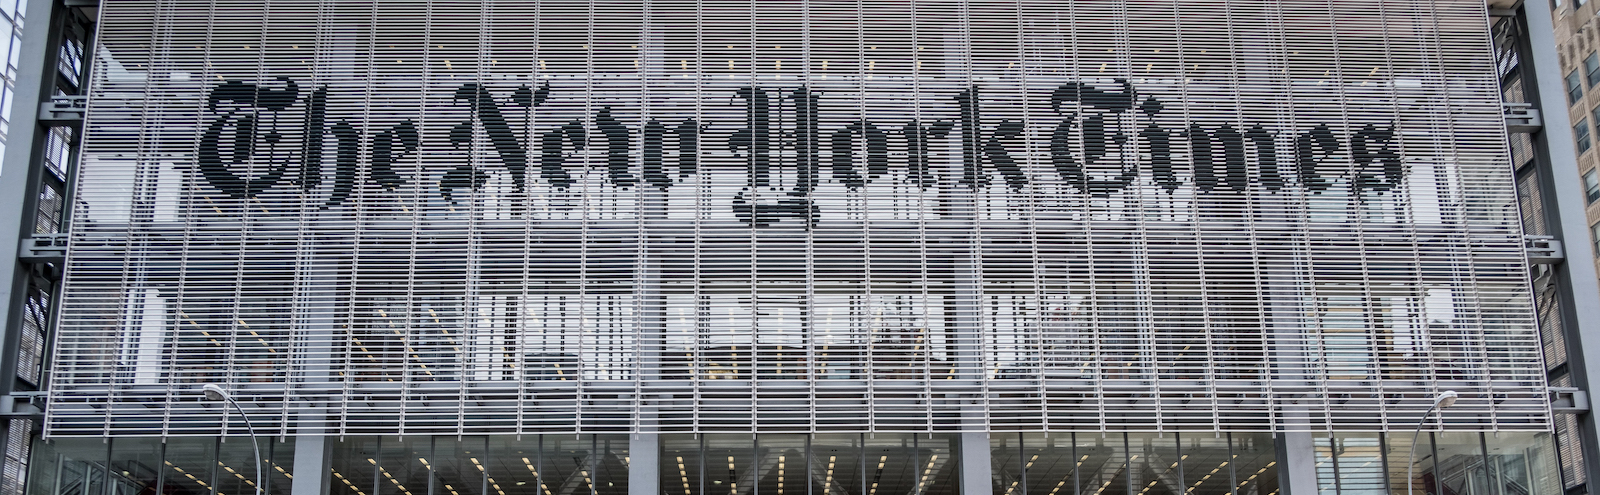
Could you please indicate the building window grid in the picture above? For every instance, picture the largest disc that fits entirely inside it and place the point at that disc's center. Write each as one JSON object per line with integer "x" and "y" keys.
{"x": 35, "y": 318}
{"x": 1017, "y": 362}
{"x": 11, "y": 17}
{"x": 51, "y": 209}
{"x": 57, "y": 150}
{"x": 70, "y": 61}
{"x": 1353, "y": 463}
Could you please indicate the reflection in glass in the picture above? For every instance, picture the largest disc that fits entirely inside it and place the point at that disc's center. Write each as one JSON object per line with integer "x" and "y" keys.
{"x": 1403, "y": 459}
{"x": 1134, "y": 464}
{"x": 1255, "y": 465}
{"x": 68, "y": 466}
{"x": 795, "y": 464}
{"x": 1350, "y": 464}
{"x": 1460, "y": 463}
{"x": 1084, "y": 463}
{"x": 682, "y": 465}
{"x": 908, "y": 463}
{"x": 190, "y": 465}
{"x": 1522, "y": 463}
{"x": 478, "y": 465}
{"x": 1052, "y": 463}
{"x": 400, "y": 467}
{"x": 1457, "y": 464}
{"x": 837, "y": 463}
{"x": 783, "y": 463}
{"x": 235, "y": 473}
{"x": 352, "y": 475}
{"x": 137, "y": 461}
{"x": 1160, "y": 460}
{"x": 729, "y": 463}
{"x": 1006, "y": 451}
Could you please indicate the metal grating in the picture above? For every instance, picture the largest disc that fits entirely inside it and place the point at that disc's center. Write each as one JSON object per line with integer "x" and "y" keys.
{"x": 567, "y": 216}
{"x": 19, "y": 442}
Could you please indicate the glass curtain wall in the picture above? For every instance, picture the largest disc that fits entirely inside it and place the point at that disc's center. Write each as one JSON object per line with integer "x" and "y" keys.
{"x": 1082, "y": 463}
{"x": 1448, "y": 463}
{"x": 823, "y": 464}
{"x": 145, "y": 466}
{"x": 483, "y": 465}
{"x": 1134, "y": 463}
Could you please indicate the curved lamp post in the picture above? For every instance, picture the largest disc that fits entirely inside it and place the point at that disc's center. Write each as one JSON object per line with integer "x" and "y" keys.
{"x": 215, "y": 392}
{"x": 1445, "y": 399}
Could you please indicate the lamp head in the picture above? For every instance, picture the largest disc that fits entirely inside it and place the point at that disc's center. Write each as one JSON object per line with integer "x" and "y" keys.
{"x": 1446, "y": 399}
{"x": 214, "y": 392}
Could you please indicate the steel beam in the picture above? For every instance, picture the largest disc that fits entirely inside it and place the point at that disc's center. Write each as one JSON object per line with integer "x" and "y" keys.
{"x": 1555, "y": 156}
{"x": 20, "y": 172}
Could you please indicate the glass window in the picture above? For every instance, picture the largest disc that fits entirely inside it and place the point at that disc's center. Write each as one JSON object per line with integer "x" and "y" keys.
{"x": 1350, "y": 463}
{"x": 1596, "y": 113}
{"x": 1595, "y": 230}
{"x": 1591, "y": 185}
{"x": 1523, "y": 459}
{"x": 1137, "y": 463}
{"x": 1574, "y": 88}
{"x": 11, "y": 61}
{"x": 1591, "y": 67}
{"x": 1580, "y": 133}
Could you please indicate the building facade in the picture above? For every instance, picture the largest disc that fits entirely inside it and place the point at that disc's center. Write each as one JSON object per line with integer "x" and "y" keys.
{"x": 1556, "y": 182}
{"x": 824, "y": 247}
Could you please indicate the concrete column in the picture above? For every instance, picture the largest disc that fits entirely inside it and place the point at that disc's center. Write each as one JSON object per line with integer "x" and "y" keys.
{"x": 977, "y": 477}
{"x": 311, "y": 471}
{"x": 644, "y": 469}
{"x": 1297, "y": 463}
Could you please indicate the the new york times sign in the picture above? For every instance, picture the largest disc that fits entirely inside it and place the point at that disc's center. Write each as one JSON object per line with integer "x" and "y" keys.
{"x": 1099, "y": 139}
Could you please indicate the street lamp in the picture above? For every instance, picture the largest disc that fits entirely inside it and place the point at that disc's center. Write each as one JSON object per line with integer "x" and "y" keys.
{"x": 1445, "y": 399}
{"x": 215, "y": 392}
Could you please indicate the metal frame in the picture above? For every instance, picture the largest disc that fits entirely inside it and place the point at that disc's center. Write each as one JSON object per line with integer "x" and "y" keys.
{"x": 24, "y": 266}
{"x": 1575, "y": 281}
{"x": 1216, "y": 307}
